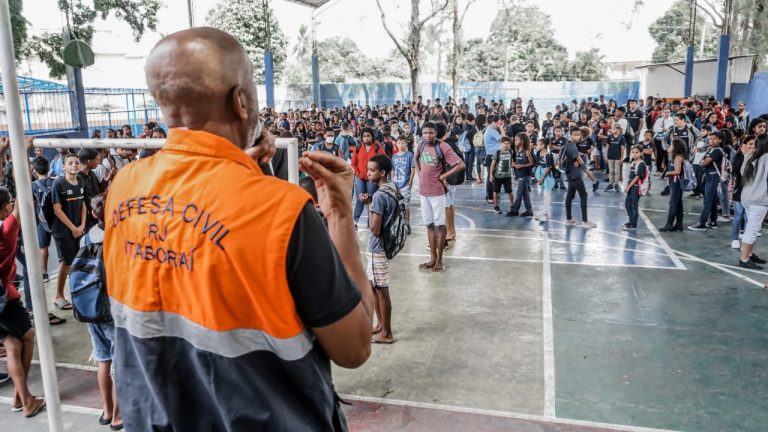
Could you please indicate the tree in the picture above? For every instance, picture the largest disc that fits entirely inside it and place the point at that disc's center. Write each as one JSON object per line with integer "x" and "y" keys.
{"x": 253, "y": 24}
{"x": 482, "y": 62}
{"x": 341, "y": 60}
{"x": 670, "y": 32}
{"x": 589, "y": 66}
{"x": 523, "y": 34}
{"x": 303, "y": 45}
{"x": 458, "y": 52}
{"x": 140, "y": 15}
{"x": 410, "y": 46}
{"x": 18, "y": 29}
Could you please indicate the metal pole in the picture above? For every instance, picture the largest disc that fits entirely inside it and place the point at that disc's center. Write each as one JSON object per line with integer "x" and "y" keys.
{"x": 688, "y": 88}
{"x": 28, "y": 223}
{"x": 269, "y": 78}
{"x": 291, "y": 144}
{"x": 722, "y": 56}
{"x": 190, "y": 11}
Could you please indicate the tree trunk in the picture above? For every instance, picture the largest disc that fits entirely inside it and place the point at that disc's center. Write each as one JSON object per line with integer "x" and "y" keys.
{"x": 414, "y": 42}
{"x": 456, "y": 52}
{"x": 756, "y": 36}
{"x": 414, "y": 82}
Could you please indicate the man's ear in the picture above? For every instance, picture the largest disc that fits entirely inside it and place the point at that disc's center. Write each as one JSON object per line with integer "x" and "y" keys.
{"x": 240, "y": 102}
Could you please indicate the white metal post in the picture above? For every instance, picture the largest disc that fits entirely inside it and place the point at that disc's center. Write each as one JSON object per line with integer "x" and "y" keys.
{"x": 28, "y": 224}
{"x": 290, "y": 144}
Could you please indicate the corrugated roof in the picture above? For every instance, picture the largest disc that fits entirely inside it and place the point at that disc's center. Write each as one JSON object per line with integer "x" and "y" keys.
{"x": 34, "y": 84}
{"x": 706, "y": 60}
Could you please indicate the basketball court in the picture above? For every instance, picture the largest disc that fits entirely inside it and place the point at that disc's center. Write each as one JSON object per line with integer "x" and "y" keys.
{"x": 540, "y": 327}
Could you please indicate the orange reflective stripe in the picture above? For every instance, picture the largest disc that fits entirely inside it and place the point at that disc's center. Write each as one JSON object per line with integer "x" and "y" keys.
{"x": 198, "y": 230}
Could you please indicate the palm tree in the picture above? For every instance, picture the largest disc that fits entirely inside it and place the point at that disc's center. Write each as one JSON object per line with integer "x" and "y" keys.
{"x": 303, "y": 45}
{"x": 590, "y": 65}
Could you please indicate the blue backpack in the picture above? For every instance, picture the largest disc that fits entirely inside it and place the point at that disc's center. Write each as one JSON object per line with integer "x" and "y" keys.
{"x": 464, "y": 143}
{"x": 88, "y": 285}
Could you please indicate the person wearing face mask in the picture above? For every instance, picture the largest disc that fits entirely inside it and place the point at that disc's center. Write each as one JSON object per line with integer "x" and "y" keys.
{"x": 328, "y": 145}
{"x": 228, "y": 293}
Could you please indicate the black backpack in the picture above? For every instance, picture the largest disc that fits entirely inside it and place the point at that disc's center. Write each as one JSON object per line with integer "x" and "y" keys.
{"x": 455, "y": 179}
{"x": 393, "y": 235}
{"x": 45, "y": 203}
{"x": 88, "y": 285}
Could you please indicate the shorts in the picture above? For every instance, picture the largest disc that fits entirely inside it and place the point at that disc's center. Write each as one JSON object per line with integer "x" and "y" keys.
{"x": 377, "y": 268}
{"x": 405, "y": 191}
{"x": 68, "y": 247}
{"x": 102, "y": 340}
{"x": 43, "y": 235}
{"x": 433, "y": 210}
{"x": 450, "y": 196}
{"x": 499, "y": 182}
{"x": 14, "y": 320}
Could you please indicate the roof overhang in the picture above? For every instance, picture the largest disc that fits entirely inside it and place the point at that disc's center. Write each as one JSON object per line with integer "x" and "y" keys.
{"x": 707, "y": 60}
{"x": 314, "y": 4}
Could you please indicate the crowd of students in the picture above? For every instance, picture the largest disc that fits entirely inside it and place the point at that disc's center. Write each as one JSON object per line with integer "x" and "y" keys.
{"x": 716, "y": 152}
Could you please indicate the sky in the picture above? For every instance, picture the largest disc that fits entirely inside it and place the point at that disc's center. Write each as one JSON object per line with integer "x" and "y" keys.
{"x": 578, "y": 24}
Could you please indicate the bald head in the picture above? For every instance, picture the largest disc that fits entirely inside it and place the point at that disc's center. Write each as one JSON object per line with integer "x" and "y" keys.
{"x": 203, "y": 80}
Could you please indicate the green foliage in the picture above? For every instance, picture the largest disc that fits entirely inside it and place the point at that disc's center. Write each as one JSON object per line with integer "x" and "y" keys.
{"x": 245, "y": 20}
{"x": 520, "y": 47}
{"x": 18, "y": 29}
{"x": 670, "y": 32}
{"x": 140, "y": 15}
{"x": 341, "y": 60}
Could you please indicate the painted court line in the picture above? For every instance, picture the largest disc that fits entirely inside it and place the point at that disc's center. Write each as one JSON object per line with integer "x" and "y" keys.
{"x": 721, "y": 268}
{"x": 71, "y": 366}
{"x": 660, "y": 239}
{"x": 548, "y": 334}
{"x": 471, "y": 221}
{"x": 66, "y": 408}
{"x": 502, "y": 414}
{"x": 538, "y": 261}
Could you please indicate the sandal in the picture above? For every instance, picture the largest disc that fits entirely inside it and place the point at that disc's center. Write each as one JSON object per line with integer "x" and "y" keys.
{"x": 103, "y": 421}
{"x": 54, "y": 320}
{"x": 63, "y": 304}
{"x": 37, "y": 406}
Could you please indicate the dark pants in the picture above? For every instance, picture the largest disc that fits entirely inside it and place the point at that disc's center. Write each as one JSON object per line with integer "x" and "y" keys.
{"x": 488, "y": 183}
{"x": 675, "y": 213}
{"x": 479, "y": 160}
{"x": 469, "y": 161}
{"x": 22, "y": 257}
{"x": 362, "y": 186}
{"x": 662, "y": 158}
{"x": 699, "y": 171}
{"x": 522, "y": 194}
{"x": 574, "y": 186}
{"x": 711, "y": 185}
{"x": 631, "y": 203}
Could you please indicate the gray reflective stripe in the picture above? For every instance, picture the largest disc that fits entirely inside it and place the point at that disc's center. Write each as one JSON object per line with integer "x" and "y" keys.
{"x": 231, "y": 343}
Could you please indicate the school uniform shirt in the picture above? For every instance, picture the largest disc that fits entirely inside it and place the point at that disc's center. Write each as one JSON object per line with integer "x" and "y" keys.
{"x": 614, "y": 147}
{"x": 402, "y": 164}
{"x": 685, "y": 134}
{"x": 647, "y": 158}
{"x": 584, "y": 146}
{"x": 216, "y": 273}
{"x": 386, "y": 206}
{"x": 521, "y": 157}
{"x": 431, "y": 168}
{"x": 569, "y": 154}
{"x": 561, "y": 142}
{"x": 321, "y": 146}
{"x": 633, "y": 118}
{"x": 716, "y": 154}
{"x": 71, "y": 197}
{"x": 503, "y": 164}
{"x": 637, "y": 169}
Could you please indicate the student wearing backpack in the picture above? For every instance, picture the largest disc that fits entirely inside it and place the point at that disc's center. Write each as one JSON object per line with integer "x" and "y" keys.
{"x": 712, "y": 159}
{"x": 544, "y": 177}
{"x": 469, "y": 148}
{"x": 637, "y": 174}
{"x": 40, "y": 188}
{"x": 363, "y": 152}
{"x": 501, "y": 175}
{"x": 523, "y": 166}
{"x": 345, "y": 141}
{"x": 478, "y": 142}
{"x": 678, "y": 154}
{"x": 573, "y": 164}
{"x": 383, "y": 209}
{"x": 745, "y": 150}
{"x": 103, "y": 333}
{"x": 433, "y": 188}
{"x": 403, "y": 170}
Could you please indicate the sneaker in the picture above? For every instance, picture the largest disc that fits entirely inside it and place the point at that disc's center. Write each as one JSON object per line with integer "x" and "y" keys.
{"x": 4, "y": 378}
{"x": 756, "y": 259}
{"x": 693, "y": 195}
{"x": 497, "y": 210}
{"x": 571, "y": 222}
{"x": 628, "y": 227}
{"x": 46, "y": 279}
{"x": 609, "y": 188}
{"x": 489, "y": 201}
{"x": 748, "y": 264}
{"x": 407, "y": 229}
{"x": 713, "y": 225}
{"x": 698, "y": 227}
{"x": 512, "y": 213}
{"x": 595, "y": 185}
{"x": 527, "y": 214}
{"x": 541, "y": 218}
{"x": 588, "y": 225}
{"x": 617, "y": 187}
{"x": 735, "y": 244}
{"x": 724, "y": 219}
